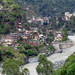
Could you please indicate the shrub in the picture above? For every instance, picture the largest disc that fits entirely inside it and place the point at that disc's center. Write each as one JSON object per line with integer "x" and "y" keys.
{"x": 27, "y": 46}
{"x": 35, "y": 53}
{"x": 63, "y": 72}
{"x": 29, "y": 52}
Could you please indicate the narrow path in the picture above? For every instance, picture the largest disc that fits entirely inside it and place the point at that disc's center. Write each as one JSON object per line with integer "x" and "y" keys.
{"x": 54, "y": 57}
{"x": 62, "y": 28}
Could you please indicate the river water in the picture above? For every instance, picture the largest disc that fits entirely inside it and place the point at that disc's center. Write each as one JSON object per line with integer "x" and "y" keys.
{"x": 54, "y": 57}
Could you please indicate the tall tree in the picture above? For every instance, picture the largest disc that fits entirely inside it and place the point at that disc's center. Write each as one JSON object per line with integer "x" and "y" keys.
{"x": 13, "y": 67}
{"x": 7, "y": 29}
{"x": 44, "y": 67}
{"x": 65, "y": 35}
{"x": 71, "y": 70}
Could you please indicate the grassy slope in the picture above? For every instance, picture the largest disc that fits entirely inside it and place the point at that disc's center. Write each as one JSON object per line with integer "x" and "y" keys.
{"x": 15, "y": 52}
{"x": 30, "y": 13}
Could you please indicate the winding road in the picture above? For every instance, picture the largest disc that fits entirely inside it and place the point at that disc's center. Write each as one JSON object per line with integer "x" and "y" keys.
{"x": 54, "y": 57}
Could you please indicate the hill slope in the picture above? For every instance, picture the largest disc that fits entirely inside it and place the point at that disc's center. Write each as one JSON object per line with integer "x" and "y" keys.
{"x": 9, "y": 13}
{"x": 48, "y": 7}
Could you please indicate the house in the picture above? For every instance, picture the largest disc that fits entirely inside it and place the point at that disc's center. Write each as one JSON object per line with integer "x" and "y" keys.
{"x": 67, "y": 16}
{"x": 16, "y": 45}
{"x": 27, "y": 8}
{"x": 1, "y": 7}
{"x": 34, "y": 29}
{"x": 36, "y": 36}
{"x": 58, "y": 36}
{"x": 14, "y": 35}
{"x": 39, "y": 19}
{"x": 33, "y": 36}
{"x": 30, "y": 21}
{"x": 33, "y": 20}
{"x": 41, "y": 36}
{"x": 32, "y": 44}
{"x": 66, "y": 13}
{"x": 19, "y": 26}
{"x": 27, "y": 31}
{"x": 9, "y": 41}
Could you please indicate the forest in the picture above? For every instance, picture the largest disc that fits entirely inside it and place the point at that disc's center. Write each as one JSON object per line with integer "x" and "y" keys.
{"x": 48, "y": 7}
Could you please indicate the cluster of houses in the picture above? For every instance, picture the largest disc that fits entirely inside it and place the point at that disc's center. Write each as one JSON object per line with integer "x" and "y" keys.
{"x": 27, "y": 35}
{"x": 41, "y": 19}
{"x": 46, "y": 19}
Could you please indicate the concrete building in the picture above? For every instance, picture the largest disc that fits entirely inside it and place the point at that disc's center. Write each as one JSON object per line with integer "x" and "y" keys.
{"x": 9, "y": 41}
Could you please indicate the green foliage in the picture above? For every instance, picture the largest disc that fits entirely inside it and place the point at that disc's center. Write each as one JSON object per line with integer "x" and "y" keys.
{"x": 27, "y": 46}
{"x": 7, "y": 29}
{"x": 1, "y": 56}
{"x": 49, "y": 7}
{"x": 11, "y": 67}
{"x": 29, "y": 52}
{"x": 26, "y": 26}
{"x": 36, "y": 47}
{"x": 20, "y": 48}
{"x": 71, "y": 24}
{"x": 68, "y": 68}
{"x": 63, "y": 72}
{"x": 71, "y": 70}
{"x": 20, "y": 39}
{"x": 44, "y": 67}
{"x": 65, "y": 35}
{"x": 70, "y": 60}
{"x": 8, "y": 53}
{"x": 50, "y": 48}
{"x": 35, "y": 53}
{"x": 1, "y": 1}
{"x": 49, "y": 40}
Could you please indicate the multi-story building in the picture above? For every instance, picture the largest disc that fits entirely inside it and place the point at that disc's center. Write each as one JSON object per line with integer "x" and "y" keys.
{"x": 9, "y": 41}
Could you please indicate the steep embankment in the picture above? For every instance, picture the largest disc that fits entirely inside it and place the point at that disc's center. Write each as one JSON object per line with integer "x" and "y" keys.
{"x": 55, "y": 57}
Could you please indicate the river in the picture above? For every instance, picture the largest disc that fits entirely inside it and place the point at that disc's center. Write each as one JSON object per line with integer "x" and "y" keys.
{"x": 54, "y": 57}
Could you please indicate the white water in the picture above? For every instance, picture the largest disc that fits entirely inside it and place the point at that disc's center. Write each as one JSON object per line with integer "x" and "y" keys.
{"x": 54, "y": 57}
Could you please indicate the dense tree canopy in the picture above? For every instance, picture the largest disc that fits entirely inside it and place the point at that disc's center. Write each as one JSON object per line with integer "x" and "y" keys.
{"x": 13, "y": 67}
{"x": 44, "y": 67}
{"x": 49, "y": 7}
{"x": 68, "y": 68}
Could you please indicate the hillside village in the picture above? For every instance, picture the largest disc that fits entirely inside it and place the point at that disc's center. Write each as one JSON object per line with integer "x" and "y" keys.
{"x": 32, "y": 32}
{"x": 26, "y": 38}
{"x": 11, "y": 38}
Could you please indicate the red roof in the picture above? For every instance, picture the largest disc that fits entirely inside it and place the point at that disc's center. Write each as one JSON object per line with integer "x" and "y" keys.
{"x": 9, "y": 37}
{"x": 32, "y": 44}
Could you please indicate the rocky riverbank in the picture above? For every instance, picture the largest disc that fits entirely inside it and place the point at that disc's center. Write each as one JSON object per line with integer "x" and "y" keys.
{"x": 54, "y": 57}
{"x": 58, "y": 64}
{"x": 36, "y": 58}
